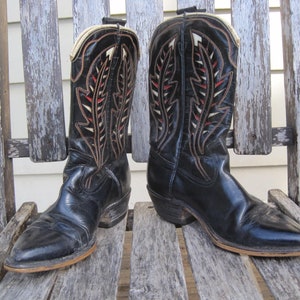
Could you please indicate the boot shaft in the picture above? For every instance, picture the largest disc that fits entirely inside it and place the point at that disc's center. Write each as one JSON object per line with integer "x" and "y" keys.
{"x": 192, "y": 83}
{"x": 103, "y": 71}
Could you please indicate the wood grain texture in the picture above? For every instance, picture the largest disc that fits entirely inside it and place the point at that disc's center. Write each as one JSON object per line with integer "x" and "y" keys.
{"x": 100, "y": 271}
{"x": 200, "y": 4}
{"x": 87, "y": 13}
{"x": 143, "y": 17}
{"x": 13, "y": 230}
{"x": 281, "y": 276}
{"x": 252, "y": 118}
{"x": 7, "y": 200}
{"x": 218, "y": 274}
{"x": 290, "y": 16}
{"x": 156, "y": 264}
{"x": 43, "y": 80}
{"x": 36, "y": 286}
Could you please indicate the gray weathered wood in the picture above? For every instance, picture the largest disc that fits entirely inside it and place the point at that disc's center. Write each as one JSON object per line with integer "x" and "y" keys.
{"x": 43, "y": 80}
{"x": 143, "y": 17}
{"x": 156, "y": 264}
{"x": 218, "y": 274}
{"x": 282, "y": 276}
{"x": 200, "y": 4}
{"x": 100, "y": 271}
{"x": 283, "y": 136}
{"x": 290, "y": 14}
{"x": 7, "y": 201}
{"x": 36, "y": 286}
{"x": 285, "y": 204}
{"x": 87, "y": 13}
{"x": 252, "y": 121}
{"x": 13, "y": 229}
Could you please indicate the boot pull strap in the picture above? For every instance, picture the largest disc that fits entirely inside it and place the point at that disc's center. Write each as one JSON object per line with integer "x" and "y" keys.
{"x": 191, "y": 9}
{"x": 108, "y": 20}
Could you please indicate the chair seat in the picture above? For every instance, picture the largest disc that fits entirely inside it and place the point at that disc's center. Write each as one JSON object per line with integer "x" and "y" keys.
{"x": 155, "y": 260}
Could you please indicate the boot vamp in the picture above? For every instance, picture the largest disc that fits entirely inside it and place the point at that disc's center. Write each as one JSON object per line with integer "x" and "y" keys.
{"x": 47, "y": 238}
{"x": 230, "y": 213}
{"x": 87, "y": 191}
{"x": 69, "y": 224}
{"x": 83, "y": 198}
{"x": 261, "y": 222}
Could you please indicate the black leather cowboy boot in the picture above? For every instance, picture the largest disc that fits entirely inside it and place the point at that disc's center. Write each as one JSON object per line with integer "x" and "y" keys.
{"x": 192, "y": 80}
{"x": 96, "y": 185}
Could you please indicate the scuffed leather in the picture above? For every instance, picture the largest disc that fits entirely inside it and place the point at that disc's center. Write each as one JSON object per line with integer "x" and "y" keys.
{"x": 96, "y": 176}
{"x": 191, "y": 104}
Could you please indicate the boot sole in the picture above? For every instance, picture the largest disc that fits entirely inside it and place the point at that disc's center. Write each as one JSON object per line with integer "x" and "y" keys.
{"x": 177, "y": 212}
{"x": 111, "y": 216}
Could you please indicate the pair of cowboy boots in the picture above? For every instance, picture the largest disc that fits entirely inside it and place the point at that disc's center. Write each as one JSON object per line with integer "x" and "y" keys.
{"x": 192, "y": 78}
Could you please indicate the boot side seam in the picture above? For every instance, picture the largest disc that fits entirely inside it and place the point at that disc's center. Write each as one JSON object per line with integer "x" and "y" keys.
{"x": 182, "y": 66}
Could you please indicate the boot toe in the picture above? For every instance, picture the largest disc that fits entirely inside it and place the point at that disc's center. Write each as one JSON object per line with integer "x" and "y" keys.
{"x": 273, "y": 228}
{"x": 41, "y": 247}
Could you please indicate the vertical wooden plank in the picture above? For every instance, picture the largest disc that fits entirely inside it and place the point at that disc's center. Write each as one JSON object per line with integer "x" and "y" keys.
{"x": 87, "y": 13}
{"x": 290, "y": 14}
{"x": 252, "y": 126}
{"x": 97, "y": 276}
{"x": 7, "y": 201}
{"x": 200, "y": 4}
{"x": 218, "y": 274}
{"x": 156, "y": 264}
{"x": 143, "y": 17}
{"x": 43, "y": 80}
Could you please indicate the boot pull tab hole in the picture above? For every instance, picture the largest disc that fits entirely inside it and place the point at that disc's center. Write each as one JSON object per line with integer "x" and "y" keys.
{"x": 189, "y": 10}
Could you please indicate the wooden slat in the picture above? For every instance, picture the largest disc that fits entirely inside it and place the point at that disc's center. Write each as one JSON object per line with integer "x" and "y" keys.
{"x": 253, "y": 94}
{"x": 281, "y": 276}
{"x": 12, "y": 231}
{"x": 143, "y": 17}
{"x": 281, "y": 136}
{"x": 100, "y": 271}
{"x": 285, "y": 204}
{"x": 200, "y": 4}
{"x": 218, "y": 274}
{"x": 87, "y": 13}
{"x": 156, "y": 264}
{"x": 7, "y": 201}
{"x": 290, "y": 14}
{"x": 36, "y": 286}
{"x": 43, "y": 80}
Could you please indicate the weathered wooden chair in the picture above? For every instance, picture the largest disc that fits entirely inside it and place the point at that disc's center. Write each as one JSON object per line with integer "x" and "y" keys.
{"x": 163, "y": 265}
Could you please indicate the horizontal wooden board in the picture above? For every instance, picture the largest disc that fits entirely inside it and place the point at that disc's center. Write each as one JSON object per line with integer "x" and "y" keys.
{"x": 282, "y": 136}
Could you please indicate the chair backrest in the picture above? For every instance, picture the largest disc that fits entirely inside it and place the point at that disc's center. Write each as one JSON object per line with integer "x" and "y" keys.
{"x": 252, "y": 132}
